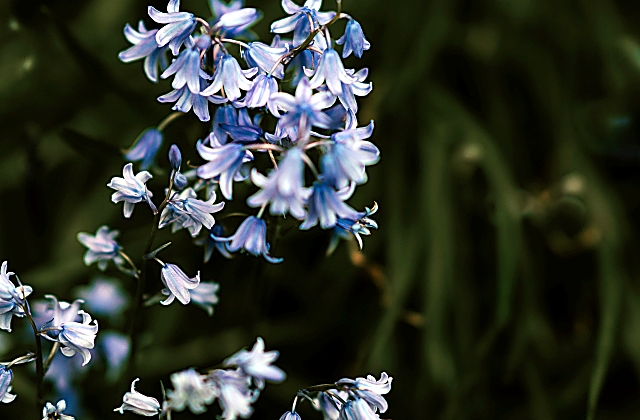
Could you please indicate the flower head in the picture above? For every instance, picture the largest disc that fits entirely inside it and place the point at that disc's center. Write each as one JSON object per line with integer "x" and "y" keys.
{"x": 12, "y": 298}
{"x": 353, "y": 40}
{"x": 257, "y": 364}
{"x": 205, "y": 296}
{"x": 290, "y": 416}
{"x": 185, "y": 210}
{"x": 138, "y": 403}
{"x": 101, "y": 247}
{"x": 145, "y": 148}
{"x": 327, "y": 205}
{"x": 299, "y": 19}
{"x": 370, "y": 390}
{"x": 6, "y": 376}
{"x": 187, "y": 66}
{"x": 225, "y": 161}
{"x": 251, "y": 236}
{"x": 131, "y": 189}
{"x": 264, "y": 57}
{"x": 178, "y": 284}
{"x": 284, "y": 188}
{"x": 78, "y": 337}
{"x": 331, "y": 70}
{"x": 232, "y": 388}
{"x": 178, "y": 25}
{"x": 190, "y": 389}
{"x": 144, "y": 46}
{"x": 231, "y": 77}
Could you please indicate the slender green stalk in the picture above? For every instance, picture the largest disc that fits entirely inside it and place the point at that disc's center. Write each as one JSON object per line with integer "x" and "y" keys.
{"x": 39, "y": 364}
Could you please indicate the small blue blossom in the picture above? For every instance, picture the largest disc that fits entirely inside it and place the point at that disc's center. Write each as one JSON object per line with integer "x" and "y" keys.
{"x": 328, "y": 405}
{"x": 179, "y": 25}
{"x": 357, "y": 409}
{"x": 190, "y": 389}
{"x": 51, "y": 412}
{"x": 360, "y": 225}
{"x": 225, "y": 161}
{"x": 353, "y": 40}
{"x": 357, "y": 88}
{"x": 284, "y": 188}
{"x": 290, "y": 416}
{"x": 131, "y": 189}
{"x": 138, "y": 403}
{"x": 346, "y": 159}
{"x": 259, "y": 94}
{"x": 304, "y": 110}
{"x": 187, "y": 66}
{"x": 175, "y": 157}
{"x": 78, "y": 337}
{"x": 144, "y": 46}
{"x": 145, "y": 148}
{"x": 232, "y": 388}
{"x": 231, "y": 77}
{"x": 61, "y": 312}
{"x": 213, "y": 241}
{"x": 178, "y": 284}
{"x": 257, "y": 364}
{"x": 251, "y": 236}
{"x": 331, "y": 70}
{"x": 370, "y": 390}
{"x": 327, "y": 206}
{"x": 265, "y": 57}
{"x": 101, "y": 247}
{"x": 12, "y": 298}
{"x": 205, "y": 296}
{"x": 185, "y": 210}
{"x": 6, "y": 376}
{"x": 298, "y": 21}
{"x": 225, "y": 114}
{"x": 238, "y": 21}
{"x": 185, "y": 100}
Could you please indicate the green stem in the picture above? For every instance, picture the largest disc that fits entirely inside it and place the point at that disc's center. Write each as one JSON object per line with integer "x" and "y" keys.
{"x": 39, "y": 364}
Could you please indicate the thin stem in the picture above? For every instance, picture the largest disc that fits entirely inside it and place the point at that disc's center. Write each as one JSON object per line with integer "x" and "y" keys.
{"x": 234, "y": 41}
{"x": 204, "y": 23}
{"x": 310, "y": 164}
{"x": 263, "y": 146}
{"x": 319, "y": 388}
{"x": 224, "y": 49}
{"x": 264, "y": 206}
{"x": 319, "y": 143}
{"x": 29, "y": 357}
{"x": 52, "y": 353}
{"x": 169, "y": 119}
{"x": 130, "y": 262}
{"x": 39, "y": 365}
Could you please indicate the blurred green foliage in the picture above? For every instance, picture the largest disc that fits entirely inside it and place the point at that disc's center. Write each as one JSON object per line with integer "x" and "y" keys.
{"x": 502, "y": 283}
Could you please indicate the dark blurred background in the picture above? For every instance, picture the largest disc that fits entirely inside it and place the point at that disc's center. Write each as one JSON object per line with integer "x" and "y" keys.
{"x": 502, "y": 283}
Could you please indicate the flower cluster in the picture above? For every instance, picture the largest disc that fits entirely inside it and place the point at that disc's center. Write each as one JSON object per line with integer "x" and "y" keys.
{"x": 235, "y": 389}
{"x": 347, "y": 399}
{"x": 314, "y": 120}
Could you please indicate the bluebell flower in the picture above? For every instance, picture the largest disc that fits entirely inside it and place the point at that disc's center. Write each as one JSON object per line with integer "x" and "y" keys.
{"x": 290, "y": 416}
{"x": 78, "y": 337}
{"x": 298, "y": 21}
{"x": 178, "y": 25}
{"x": 205, "y": 296}
{"x": 327, "y": 205}
{"x": 61, "y": 313}
{"x": 370, "y": 390}
{"x": 101, "y": 247}
{"x": 257, "y": 364}
{"x": 185, "y": 100}
{"x": 238, "y": 20}
{"x": 232, "y": 388}
{"x": 225, "y": 161}
{"x": 304, "y": 110}
{"x": 12, "y": 298}
{"x": 304, "y": 60}
{"x": 6, "y": 376}
{"x": 360, "y": 225}
{"x": 265, "y": 57}
{"x": 131, "y": 189}
{"x": 258, "y": 96}
{"x": 331, "y": 70}
{"x": 187, "y": 66}
{"x": 284, "y": 188}
{"x": 144, "y": 46}
{"x": 138, "y": 403}
{"x": 116, "y": 348}
{"x": 231, "y": 77}
{"x": 353, "y": 40}
{"x": 328, "y": 405}
{"x": 51, "y": 412}
{"x": 345, "y": 160}
{"x": 357, "y": 88}
{"x": 185, "y": 210}
{"x": 178, "y": 284}
{"x": 190, "y": 389}
{"x": 225, "y": 114}
{"x": 104, "y": 297}
{"x": 251, "y": 236}
{"x": 145, "y": 148}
